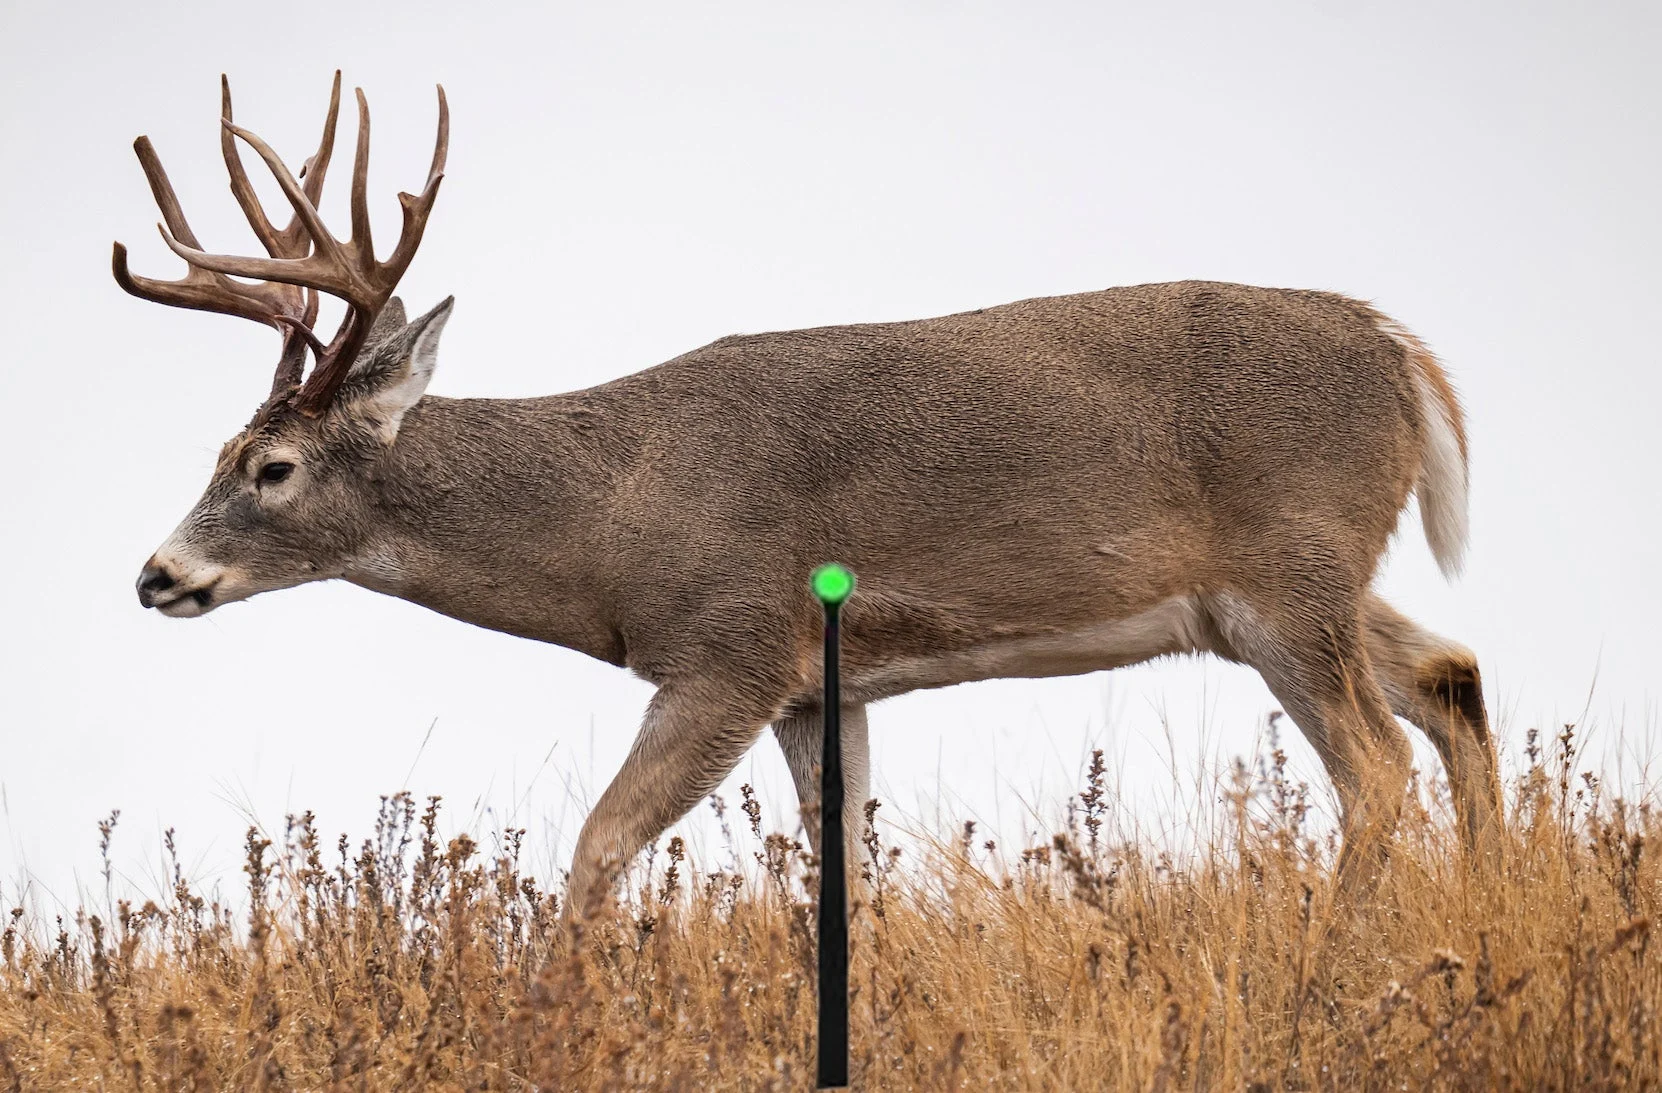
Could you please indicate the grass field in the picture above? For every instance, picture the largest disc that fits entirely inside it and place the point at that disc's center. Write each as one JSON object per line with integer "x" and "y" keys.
{"x": 407, "y": 962}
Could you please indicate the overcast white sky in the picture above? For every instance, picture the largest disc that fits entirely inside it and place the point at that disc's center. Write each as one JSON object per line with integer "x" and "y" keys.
{"x": 626, "y": 186}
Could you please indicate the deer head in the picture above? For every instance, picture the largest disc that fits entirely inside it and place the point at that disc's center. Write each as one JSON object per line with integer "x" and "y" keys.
{"x": 279, "y": 510}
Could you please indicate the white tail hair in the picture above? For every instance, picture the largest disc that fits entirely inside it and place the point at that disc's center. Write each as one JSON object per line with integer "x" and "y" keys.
{"x": 1443, "y": 482}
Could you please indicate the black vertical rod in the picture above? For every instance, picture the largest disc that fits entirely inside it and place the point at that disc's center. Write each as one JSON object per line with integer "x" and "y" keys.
{"x": 833, "y": 879}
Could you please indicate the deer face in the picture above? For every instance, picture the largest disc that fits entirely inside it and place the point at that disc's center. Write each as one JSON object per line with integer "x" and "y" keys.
{"x": 293, "y": 497}
{"x": 289, "y": 501}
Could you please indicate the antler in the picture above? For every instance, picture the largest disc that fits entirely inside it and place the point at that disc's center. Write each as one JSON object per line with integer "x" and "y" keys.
{"x": 292, "y": 310}
{"x": 304, "y": 257}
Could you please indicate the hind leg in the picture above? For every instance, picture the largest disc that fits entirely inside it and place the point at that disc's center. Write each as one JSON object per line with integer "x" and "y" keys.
{"x": 801, "y": 735}
{"x": 1313, "y": 658}
{"x": 1433, "y": 683}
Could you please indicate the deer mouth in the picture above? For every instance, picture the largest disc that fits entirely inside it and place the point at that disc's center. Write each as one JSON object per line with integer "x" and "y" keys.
{"x": 188, "y": 604}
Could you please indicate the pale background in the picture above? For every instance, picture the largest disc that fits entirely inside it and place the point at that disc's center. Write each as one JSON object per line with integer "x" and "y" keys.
{"x": 624, "y": 187}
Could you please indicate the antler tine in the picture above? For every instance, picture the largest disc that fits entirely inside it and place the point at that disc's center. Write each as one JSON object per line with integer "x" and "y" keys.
{"x": 363, "y": 240}
{"x": 199, "y": 289}
{"x": 379, "y": 278}
{"x": 312, "y": 172}
{"x": 292, "y": 241}
{"x": 241, "y": 188}
{"x": 161, "y": 188}
{"x": 416, "y": 208}
{"x": 297, "y": 336}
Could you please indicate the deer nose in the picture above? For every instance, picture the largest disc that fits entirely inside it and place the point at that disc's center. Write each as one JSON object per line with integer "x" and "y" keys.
{"x": 153, "y": 581}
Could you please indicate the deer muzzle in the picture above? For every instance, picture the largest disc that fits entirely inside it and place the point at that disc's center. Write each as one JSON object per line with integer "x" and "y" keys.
{"x": 165, "y": 585}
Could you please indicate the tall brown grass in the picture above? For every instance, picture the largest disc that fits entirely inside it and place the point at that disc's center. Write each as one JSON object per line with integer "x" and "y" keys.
{"x": 1082, "y": 963}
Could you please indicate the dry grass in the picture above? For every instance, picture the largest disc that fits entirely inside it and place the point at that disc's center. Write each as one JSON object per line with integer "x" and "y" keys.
{"x": 1071, "y": 966}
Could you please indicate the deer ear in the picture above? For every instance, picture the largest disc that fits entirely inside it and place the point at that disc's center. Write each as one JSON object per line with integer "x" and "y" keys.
{"x": 394, "y": 375}
{"x": 388, "y": 325}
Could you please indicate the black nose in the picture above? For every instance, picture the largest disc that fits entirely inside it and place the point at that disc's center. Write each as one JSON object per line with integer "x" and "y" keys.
{"x": 153, "y": 581}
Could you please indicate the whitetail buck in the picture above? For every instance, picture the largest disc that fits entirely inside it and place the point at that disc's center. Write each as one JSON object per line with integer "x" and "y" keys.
{"x": 1049, "y": 487}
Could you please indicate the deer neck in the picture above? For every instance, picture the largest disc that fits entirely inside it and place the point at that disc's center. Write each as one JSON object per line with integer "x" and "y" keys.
{"x": 492, "y": 511}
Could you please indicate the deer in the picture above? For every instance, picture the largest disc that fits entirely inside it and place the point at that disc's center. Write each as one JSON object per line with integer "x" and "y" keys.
{"x": 1044, "y": 488}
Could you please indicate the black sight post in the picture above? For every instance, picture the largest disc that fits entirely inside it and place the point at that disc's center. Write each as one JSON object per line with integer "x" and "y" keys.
{"x": 833, "y": 584}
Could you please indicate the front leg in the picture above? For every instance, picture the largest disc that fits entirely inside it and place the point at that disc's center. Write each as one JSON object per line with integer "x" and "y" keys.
{"x": 692, "y": 738}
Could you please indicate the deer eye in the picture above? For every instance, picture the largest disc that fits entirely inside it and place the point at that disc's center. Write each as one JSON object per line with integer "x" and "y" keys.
{"x": 272, "y": 473}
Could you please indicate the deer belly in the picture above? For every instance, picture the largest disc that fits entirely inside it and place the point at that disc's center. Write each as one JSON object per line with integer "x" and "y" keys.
{"x": 1173, "y": 626}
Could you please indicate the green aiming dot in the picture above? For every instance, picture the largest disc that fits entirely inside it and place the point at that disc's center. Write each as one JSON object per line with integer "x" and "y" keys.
{"x": 833, "y": 584}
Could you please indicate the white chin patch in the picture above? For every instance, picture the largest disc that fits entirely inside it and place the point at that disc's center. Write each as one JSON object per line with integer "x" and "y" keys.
{"x": 189, "y": 605}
